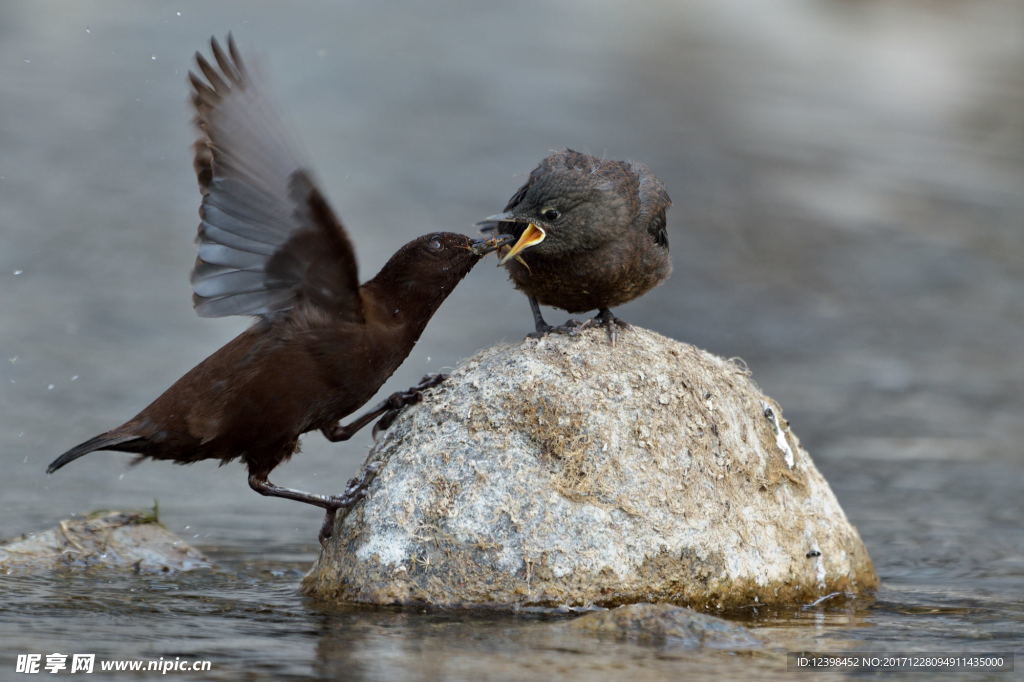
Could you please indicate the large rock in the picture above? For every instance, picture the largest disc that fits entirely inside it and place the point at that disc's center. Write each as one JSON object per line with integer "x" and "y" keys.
{"x": 566, "y": 471}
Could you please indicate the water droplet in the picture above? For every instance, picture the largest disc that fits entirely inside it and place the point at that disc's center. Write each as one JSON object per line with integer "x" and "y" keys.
{"x": 87, "y": 30}
{"x": 153, "y": 57}
{"x": 74, "y": 377}
{"x": 178, "y": 13}
{"x": 27, "y": 61}
{"x": 18, "y": 272}
{"x": 13, "y": 359}
{"x": 50, "y": 387}
{"x": 120, "y": 477}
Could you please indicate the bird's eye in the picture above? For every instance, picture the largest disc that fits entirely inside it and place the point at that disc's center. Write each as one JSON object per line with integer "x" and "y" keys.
{"x": 550, "y": 214}
{"x": 435, "y": 244}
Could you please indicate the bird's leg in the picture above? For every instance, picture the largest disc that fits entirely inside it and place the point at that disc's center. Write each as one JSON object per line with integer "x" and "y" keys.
{"x": 539, "y": 324}
{"x": 260, "y": 484}
{"x": 389, "y": 408}
{"x": 354, "y": 492}
{"x": 543, "y": 328}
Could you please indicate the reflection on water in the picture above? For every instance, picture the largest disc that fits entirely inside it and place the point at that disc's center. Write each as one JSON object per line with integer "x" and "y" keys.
{"x": 847, "y": 182}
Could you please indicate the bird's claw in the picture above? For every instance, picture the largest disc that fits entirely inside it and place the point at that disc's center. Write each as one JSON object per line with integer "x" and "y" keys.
{"x": 431, "y": 380}
{"x": 606, "y": 319}
{"x": 398, "y": 401}
{"x": 571, "y": 327}
{"x": 542, "y": 331}
{"x": 354, "y": 491}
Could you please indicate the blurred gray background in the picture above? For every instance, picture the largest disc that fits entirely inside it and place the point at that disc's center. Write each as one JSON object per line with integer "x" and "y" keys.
{"x": 848, "y": 185}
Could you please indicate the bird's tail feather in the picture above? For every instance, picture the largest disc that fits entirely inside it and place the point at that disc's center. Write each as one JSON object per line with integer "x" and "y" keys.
{"x": 104, "y": 441}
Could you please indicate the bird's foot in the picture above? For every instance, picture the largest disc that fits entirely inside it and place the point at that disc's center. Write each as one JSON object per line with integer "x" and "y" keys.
{"x": 387, "y": 410}
{"x": 355, "y": 491}
{"x": 398, "y": 401}
{"x": 542, "y": 328}
{"x": 571, "y": 327}
{"x": 606, "y": 319}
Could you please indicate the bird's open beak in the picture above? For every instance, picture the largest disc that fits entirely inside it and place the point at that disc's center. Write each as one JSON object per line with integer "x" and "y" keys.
{"x": 531, "y": 236}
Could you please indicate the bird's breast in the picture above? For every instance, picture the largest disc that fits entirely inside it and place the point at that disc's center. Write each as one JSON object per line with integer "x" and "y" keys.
{"x": 600, "y": 278}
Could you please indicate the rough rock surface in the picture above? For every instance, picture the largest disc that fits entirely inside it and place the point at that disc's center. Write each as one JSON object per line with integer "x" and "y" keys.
{"x": 566, "y": 471}
{"x": 109, "y": 539}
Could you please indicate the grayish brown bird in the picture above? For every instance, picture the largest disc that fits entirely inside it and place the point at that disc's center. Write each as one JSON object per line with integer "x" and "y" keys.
{"x": 270, "y": 246}
{"x": 591, "y": 235}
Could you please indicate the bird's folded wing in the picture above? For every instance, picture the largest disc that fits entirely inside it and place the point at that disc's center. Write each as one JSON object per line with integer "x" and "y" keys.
{"x": 654, "y": 202}
{"x": 268, "y": 240}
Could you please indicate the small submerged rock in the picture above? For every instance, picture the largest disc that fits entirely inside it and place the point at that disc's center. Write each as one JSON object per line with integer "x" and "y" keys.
{"x": 131, "y": 540}
{"x": 667, "y": 626}
{"x": 567, "y": 471}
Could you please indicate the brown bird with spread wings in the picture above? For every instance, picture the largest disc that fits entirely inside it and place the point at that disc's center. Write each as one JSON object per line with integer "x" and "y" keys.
{"x": 270, "y": 246}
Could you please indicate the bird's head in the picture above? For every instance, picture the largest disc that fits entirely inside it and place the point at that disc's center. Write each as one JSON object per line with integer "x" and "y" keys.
{"x": 440, "y": 256}
{"x": 572, "y": 202}
{"x": 429, "y": 267}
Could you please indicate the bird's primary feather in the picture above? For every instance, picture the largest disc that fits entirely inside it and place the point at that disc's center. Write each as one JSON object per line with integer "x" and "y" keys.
{"x": 268, "y": 240}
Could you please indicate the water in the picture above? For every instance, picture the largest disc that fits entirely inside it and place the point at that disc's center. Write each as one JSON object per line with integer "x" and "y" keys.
{"x": 847, "y": 180}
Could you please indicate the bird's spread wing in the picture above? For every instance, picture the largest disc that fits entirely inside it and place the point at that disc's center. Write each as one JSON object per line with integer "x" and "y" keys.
{"x": 268, "y": 239}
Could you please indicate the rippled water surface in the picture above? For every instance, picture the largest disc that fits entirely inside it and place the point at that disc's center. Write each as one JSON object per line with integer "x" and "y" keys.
{"x": 848, "y": 181}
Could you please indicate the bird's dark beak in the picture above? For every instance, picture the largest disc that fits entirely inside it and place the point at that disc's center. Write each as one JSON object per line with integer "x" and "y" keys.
{"x": 482, "y": 247}
{"x": 492, "y": 223}
{"x": 533, "y": 234}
